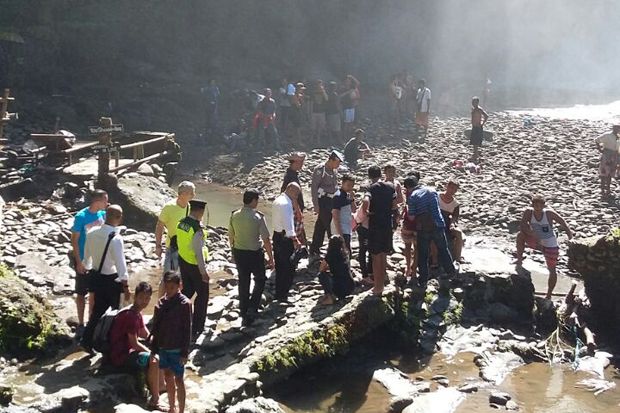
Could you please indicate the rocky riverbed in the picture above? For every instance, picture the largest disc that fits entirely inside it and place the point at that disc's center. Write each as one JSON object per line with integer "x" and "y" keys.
{"x": 526, "y": 155}
{"x": 230, "y": 363}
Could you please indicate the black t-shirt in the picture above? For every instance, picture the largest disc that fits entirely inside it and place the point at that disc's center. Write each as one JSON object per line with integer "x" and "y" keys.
{"x": 381, "y": 194}
{"x": 293, "y": 176}
{"x": 352, "y": 151}
{"x": 333, "y": 104}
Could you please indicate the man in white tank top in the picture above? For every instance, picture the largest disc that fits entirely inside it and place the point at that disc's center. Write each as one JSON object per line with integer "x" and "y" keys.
{"x": 536, "y": 231}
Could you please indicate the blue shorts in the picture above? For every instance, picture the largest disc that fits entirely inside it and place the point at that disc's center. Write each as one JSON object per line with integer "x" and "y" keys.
{"x": 137, "y": 360}
{"x": 171, "y": 360}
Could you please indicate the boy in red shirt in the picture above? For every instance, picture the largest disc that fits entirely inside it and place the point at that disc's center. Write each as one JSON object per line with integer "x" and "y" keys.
{"x": 129, "y": 353}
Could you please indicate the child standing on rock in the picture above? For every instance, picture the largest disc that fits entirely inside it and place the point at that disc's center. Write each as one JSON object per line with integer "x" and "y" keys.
{"x": 172, "y": 327}
{"x": 478, "y": 119}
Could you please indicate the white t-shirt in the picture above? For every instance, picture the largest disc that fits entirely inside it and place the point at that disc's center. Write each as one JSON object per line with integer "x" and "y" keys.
{"x": 448, "y": 207}
{"x": 424, "y": 96}
{"x": 609, "y": 142}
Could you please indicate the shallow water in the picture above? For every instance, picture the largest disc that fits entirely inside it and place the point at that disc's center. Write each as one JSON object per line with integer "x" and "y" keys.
{"x": 536, "y": 387}
{"x": 609, "y": 112}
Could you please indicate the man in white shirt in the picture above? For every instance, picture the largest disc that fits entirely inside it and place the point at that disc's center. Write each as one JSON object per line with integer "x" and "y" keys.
{"x": 609, "y": 146}
{"x": 104, "y": 258}
{"x": 284, "y": 239}
{"x": 423, "y": 99}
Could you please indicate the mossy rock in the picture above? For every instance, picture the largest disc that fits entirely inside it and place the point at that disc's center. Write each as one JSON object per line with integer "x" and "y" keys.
{"x": 27, "y": 323}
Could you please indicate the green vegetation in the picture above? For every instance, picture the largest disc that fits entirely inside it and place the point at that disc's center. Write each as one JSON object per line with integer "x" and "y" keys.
{"x": 27, "y": 324}
{"x": 615, "y": 234}
{"x": 311, "y": 345}
{"x": 454, "y": 315}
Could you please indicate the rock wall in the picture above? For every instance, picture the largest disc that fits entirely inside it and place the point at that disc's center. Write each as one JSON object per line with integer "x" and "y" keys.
{"x": 27, "y": 323}
{"x": 597, "y": 259}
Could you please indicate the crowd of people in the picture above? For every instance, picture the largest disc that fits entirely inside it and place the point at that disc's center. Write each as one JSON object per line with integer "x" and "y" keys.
{"x": 427, "y": 222}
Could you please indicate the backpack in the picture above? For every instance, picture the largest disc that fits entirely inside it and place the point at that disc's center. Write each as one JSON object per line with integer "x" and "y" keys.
{"x": 101, "y": 336}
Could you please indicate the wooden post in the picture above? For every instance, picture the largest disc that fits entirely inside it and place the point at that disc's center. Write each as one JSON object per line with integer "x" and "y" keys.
{"x": 4, "y": 106}
{"x": 105, "y": 140}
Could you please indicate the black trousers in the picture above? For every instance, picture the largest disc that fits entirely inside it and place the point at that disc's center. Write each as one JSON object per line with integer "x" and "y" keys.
{"x": 248, "y": 263}
{"x": 107, "y": 294}
{"x": 363, "y": 256}
{"x": 322, "y": 225}
{"x": 193, "y": 284}
{"x": 283, "y": 248}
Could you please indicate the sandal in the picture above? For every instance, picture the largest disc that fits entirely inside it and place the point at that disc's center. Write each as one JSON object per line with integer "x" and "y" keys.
{"x": 160, "y": 406}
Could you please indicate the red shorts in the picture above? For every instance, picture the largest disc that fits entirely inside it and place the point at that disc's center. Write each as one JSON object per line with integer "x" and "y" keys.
{"x": 421, "y": 119}
{"x": 551, "y": 253}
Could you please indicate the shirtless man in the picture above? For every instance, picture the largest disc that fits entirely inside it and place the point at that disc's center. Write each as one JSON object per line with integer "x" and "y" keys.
{"x": 478, "y": 120}
{"x": 536, "y": 232}
{"x": 609, "y": 146}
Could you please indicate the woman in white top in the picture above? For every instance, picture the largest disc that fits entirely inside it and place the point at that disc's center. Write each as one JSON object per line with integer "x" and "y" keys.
{"x": 450, "y": 210}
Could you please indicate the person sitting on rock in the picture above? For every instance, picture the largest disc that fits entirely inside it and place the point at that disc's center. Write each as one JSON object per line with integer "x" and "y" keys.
{"x": 127, "y": 352}
{"x": 172, "y": 327}
{"x": 335, "y": 272}
{"x": 536, "y": 231}
{"x": 355, "y": 148}
{"x": 450, "y": 210}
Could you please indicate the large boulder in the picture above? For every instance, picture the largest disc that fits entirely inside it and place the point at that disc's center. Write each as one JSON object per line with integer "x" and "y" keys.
{"x": 597, "y": 259}
{"x": 142, "y": 198}
{"x": 256, "y": 405}
{"x": 27, "y": 322}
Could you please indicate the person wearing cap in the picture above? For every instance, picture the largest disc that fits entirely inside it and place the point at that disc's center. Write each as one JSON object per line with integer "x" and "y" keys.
{"x": 609, "y": 146}
{"x": 169, "y": 218}
{"x": 296, "y": 164}
{"x": 450, "y": 210}
{"x": 193, "y": 253}
{"x": 285, "y": 240}
{"x": 355, "y": 148}
{"x": 333, "y": 116}
{"x": 249, "y": 240}
{"x": 323, "y": 187}
{"x": 423, "y": 206}
{"x": 264, "y": 121}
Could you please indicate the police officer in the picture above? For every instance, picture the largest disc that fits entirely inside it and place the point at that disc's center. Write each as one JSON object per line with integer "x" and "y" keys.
{"x": 193, "y": 253}
{"x": 324, "y": 185}
{"x": 249, "y": 240}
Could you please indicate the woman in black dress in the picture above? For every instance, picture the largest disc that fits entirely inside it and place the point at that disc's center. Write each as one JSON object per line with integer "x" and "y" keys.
{"x": 335, "y": 272}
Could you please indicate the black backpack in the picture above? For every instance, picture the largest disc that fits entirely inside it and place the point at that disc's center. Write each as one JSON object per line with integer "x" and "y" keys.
{"x": 101, "y": 336}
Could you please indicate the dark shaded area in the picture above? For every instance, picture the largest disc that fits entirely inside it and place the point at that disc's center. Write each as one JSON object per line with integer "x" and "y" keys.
{"x": 145, "y": 61}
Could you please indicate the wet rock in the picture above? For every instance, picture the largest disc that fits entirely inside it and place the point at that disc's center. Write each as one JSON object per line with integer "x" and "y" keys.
{"x": 444, "y": 400}
{"x": 73, "y": 398}
{"x": 398, "y": 404}
{"x": 502, "y": 313}
{"x": 468, "y": 388}
{"x": 256, "y": 405}
{"x": 499, "y": 398}
{"x": 512, "y": 405}
{"x": 129, "y": 408}
{"x": 494, "y": 367}
{"x": 6, "y": 395}
{"x": 396, "y": 382}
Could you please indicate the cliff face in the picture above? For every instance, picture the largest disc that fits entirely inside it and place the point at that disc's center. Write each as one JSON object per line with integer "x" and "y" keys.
{"x": 148, "y": 59}
{"x": 597, "y": 259}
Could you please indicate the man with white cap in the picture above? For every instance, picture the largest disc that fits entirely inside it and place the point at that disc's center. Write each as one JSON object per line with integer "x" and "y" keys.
{"x": 324, "y": 186}
{"x": 296, "y": 164}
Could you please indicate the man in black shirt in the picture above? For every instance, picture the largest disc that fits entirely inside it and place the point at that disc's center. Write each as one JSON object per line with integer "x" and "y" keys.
{"x": 354, "y": 148}
{"x": 380, "y": 201}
